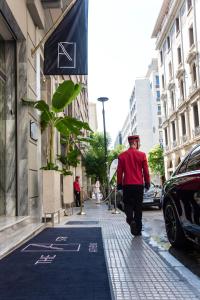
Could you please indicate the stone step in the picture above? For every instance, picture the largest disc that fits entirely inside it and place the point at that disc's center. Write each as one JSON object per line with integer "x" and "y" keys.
{"x": 14, "y": 234}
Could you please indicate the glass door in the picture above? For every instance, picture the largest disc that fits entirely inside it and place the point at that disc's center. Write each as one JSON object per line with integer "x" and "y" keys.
{"x": 2, "y": 126}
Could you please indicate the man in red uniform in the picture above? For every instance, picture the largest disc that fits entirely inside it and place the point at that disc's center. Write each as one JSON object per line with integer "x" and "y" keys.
{"x": 132, "y": 177}
{"x": 77, "y": 191}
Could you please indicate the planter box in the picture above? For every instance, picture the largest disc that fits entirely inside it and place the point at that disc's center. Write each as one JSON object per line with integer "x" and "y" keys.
{"x": 68, "y": 190}
{"x": 51, "y": 191}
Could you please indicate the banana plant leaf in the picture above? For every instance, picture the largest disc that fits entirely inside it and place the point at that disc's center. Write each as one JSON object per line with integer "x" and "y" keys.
{"x": 64, "y": 95}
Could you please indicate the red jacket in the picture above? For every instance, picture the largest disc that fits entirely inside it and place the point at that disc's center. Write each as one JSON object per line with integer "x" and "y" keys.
{"x": 76, "y": 186}
{"x": 132, "y": 168}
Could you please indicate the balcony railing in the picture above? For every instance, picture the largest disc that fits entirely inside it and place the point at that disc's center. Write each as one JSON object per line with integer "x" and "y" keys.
{"x": 196, "y": 131}
{"x": 193, "y": 87}
{"x": 166, "y": 148}
{"x": 183, "y": 139}
{"x": 174, "y": 144}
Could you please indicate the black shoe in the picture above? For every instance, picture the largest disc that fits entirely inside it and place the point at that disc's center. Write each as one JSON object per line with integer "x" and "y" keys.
{"x": 133, "y": 227}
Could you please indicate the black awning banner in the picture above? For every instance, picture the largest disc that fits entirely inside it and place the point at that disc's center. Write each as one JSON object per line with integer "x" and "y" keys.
{"x": 66, "y": 50}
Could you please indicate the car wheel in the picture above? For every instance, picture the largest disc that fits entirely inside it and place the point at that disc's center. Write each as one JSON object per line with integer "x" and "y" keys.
{"x": 174, "y": 231}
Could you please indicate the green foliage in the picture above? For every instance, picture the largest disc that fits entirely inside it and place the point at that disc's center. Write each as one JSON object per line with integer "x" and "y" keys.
{"x": 50, "y": 166}
{"x": 63, "y": 96}
{"x": 94, "y": 159}
{"x": 156, "y": 160}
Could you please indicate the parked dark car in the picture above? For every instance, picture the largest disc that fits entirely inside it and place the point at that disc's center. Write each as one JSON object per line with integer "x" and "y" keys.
{"x": 152, "y": 197}
{"x": 181, "y": 201}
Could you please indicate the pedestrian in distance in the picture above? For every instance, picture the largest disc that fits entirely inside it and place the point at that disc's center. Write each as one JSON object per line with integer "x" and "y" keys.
{"x": 97, "y": 191}
{"x": 132, "y": 177}
{"x": 77, "y": 191}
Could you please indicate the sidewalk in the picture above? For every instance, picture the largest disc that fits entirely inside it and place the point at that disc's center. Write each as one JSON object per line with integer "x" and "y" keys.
{"x": 135, "y": 270}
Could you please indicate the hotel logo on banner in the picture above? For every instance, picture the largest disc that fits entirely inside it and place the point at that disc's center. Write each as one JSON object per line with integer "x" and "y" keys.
{"x": 66, "y": 55}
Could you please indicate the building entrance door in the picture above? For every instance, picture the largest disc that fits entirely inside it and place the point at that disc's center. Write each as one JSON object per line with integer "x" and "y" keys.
{"x": 2, "y": 125}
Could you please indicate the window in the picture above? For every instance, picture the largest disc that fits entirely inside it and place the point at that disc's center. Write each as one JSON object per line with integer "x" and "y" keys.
{"x": 165, "y": 108}
{"x": 159, "y": 122}
{"x": 163, "y": 81}
{"x": 177, "y": 25}
{"x": 183, "y": 124}
{"x": 194, "y": 74}
{"x": 179, "y": 55}
{"x": 170, "y": 70}
{"x": 196, "y": 115}
{"x": 189, "y": 4}
{"x": 172, "y": 100}
{"x": 173, "y": 131}
{"x": 168, "y": 43}
{"x": 182, "y": 89}
{"x": 161, "y": 57}
{"x": 159, "y": 109}
{"x": 194, "y": 160}
{"x": 182, "y": 167}
{"x": 157, "y": 81}
{"x": 166, "y": 137}
{"x": 158, "y": 95}
{"x": 191, "y": 36}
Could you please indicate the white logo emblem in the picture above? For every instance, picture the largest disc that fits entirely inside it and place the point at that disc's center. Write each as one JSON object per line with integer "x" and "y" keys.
{"x": 66, "y": 55}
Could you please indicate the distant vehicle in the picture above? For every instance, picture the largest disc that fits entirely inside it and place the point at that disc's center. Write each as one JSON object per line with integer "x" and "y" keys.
{"x": 181, "y": 201}
{"x": 152, "y": 197}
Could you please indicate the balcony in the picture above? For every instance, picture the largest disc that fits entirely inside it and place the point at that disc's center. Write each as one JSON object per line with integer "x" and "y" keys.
{"x": 180, "y": 71}
{"x": 163, "y": 95}
{"x": 166, "y": 148}
{"x": 192, "y": 54}
{"x": 183, "y": 139}
{"x": 196, "y": 131}
{"x": 193, "y": 87}
{"x": 171, "y": 84}
{"x": 174, "y": 144}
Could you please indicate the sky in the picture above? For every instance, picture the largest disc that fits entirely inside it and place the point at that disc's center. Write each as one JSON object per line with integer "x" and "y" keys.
{"x": 120, "y": 49}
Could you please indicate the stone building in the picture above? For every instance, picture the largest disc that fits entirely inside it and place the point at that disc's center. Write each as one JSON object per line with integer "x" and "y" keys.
{"x": 177, "y": 33}
{"x": 23, "y": 149}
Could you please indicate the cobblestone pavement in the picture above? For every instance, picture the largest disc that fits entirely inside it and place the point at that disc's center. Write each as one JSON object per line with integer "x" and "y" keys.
{"x": 135, "y": 270}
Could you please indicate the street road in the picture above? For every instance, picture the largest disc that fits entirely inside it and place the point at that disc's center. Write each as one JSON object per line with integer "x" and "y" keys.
{"x": 153, "y": 223}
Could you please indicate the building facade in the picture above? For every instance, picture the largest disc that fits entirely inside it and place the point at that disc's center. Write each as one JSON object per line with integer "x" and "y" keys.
{"x": 93, "y": 116}
{"x": 141, "y": 118}
{"x": 153, "y": 76}
{"x": 177, "y": 33}
{"x": 23, "y": 149}
{"x": 126, "y": 131}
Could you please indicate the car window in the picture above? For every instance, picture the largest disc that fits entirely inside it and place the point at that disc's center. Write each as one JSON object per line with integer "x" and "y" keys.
{"x": 194, "y": 160}
{"x": 182, "y": 167}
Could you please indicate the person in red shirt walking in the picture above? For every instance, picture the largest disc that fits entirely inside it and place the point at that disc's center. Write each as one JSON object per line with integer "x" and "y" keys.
{"x": 132, "y": 177}
{"x": 77, "y": 191}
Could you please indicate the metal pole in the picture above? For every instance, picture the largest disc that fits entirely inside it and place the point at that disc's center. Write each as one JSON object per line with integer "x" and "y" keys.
{"x": 115, "y": 210}
{"x": 106, "y": 156}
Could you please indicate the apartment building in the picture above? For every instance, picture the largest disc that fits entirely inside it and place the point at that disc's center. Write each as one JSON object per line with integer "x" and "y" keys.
{"x": 153, "y": 76}
{"x": 126, "y": 131}
{"x": 177, "y": 33}
{"x": 141, "y": 119}
{"x": 93, "y": 116}
{"x": 23, "y": 148}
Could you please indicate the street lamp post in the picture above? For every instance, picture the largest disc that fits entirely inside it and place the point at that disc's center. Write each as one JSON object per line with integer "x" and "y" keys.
{"x": 104, "y": 99}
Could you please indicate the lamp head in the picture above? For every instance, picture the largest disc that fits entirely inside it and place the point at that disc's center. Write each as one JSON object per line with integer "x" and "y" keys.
{"x": 102, "y": 99}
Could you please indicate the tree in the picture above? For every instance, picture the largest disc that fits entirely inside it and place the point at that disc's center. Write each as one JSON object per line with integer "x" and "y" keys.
{"x": 52, "y": 116}
{"x": 94, "y": 159}
{"x": 156, "y": 161}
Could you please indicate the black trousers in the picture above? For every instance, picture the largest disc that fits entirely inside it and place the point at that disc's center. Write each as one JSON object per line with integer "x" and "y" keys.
{"x": 77, "y": 198}
{"x": 133, "y": 198}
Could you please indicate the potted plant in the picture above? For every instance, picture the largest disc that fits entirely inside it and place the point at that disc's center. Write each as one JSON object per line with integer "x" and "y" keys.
{"x": 53, "y": 118}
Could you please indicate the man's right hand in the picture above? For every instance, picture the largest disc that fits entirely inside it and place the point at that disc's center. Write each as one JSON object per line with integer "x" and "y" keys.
{"x": 119, "y": 187}
{"x": 147, "y": 186}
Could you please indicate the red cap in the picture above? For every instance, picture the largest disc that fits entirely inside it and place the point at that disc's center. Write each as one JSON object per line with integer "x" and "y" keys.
{"x": 132, "y": 138}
